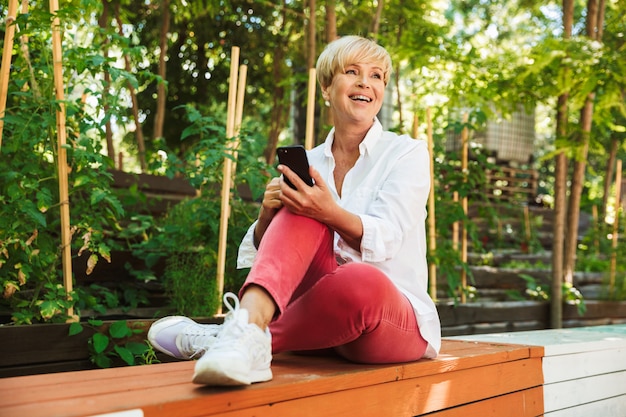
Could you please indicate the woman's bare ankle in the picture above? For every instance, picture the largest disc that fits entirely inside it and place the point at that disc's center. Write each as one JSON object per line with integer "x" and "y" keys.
{"x": 260, "y": 305}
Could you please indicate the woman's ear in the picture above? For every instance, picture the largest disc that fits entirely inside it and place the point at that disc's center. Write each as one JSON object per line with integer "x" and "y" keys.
{"x": 325, "y": 94}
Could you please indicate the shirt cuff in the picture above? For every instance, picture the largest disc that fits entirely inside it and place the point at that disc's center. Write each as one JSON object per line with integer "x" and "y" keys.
{"x": 247, "y": 251}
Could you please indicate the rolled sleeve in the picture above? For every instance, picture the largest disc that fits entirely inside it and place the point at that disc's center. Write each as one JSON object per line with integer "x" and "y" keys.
{"x": 247, "y": 251}
{"x": 376, "y": 241}
{"x": 397, "y": 207}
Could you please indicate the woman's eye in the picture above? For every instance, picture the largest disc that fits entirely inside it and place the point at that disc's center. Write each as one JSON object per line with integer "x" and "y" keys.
{"x": 350, "y": 71}
{"x": 378, "y": 76}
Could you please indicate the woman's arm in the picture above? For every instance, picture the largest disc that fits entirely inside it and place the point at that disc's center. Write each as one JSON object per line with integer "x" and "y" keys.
{"x": 318, "y": 203}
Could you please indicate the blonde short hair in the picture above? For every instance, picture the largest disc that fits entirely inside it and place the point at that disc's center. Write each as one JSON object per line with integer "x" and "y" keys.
{"x": 349, "y": 50}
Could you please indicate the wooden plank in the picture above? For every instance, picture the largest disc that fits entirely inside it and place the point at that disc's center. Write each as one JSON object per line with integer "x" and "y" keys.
{"x": 524, "y": 403}
{"x": 609, "y": 407}
{"x": 561, "y": 341}
{"x": 52, "y": 387}
{"x": 566, "y": 394}
{"x": 406, "y": 397}
{"x": 583, "y": 364}
{"x": 15, "y": 338}
{"x": 562, "y": 395}
{"x": 154, "y": 183}
{"x": 166, "y": 388}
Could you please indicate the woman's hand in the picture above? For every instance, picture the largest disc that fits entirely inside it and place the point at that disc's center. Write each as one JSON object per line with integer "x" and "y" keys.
{"x": 271, "y": 196}
{"x": 315, "y": 202}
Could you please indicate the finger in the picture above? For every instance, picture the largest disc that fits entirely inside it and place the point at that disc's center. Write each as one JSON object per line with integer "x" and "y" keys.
{"x": 291, "y": 176}
{"x": 317, "y": 177}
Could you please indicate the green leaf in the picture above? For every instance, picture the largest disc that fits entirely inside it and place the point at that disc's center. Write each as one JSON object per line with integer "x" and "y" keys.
{"x": 82, "y": 180}
{"x": 49, "y": 309}
{"x": 97, "y": 196}
{"x": 44, "y": 200}
{"x": 100, "y": 342}
{"x": 95, "y": 322}
{"x": 120, "y": 329}
{"x": 33, "y": 212}
{"x": 75, "y": 328}
{"x": 137, "y": 348}
{"x": 101, "y": 360}
{"x": 125, "y": 354}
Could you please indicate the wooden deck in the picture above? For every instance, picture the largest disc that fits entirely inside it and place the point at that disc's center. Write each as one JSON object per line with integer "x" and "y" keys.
{"x": 468, "y": 379}
{"x": 584, "y": 368}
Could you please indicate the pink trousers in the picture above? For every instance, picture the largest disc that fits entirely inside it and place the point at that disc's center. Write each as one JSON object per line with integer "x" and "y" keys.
{"x": 353, "y": 309}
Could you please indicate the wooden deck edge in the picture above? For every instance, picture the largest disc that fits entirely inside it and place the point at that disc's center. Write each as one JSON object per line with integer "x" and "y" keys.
{"x": 165, "y": 390}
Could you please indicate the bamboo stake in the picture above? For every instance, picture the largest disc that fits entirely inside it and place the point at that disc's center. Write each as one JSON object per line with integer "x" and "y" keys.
{"x": 618, "y": 195}
{"x": 455, "y": 225}
{"x": 432, "y": 230}
{"x": 26, "y": 55}
{"x": 310, "y": 111}
{"x": 527, "y": 229}
{"x": 9, "y": 37}
{"x": 241, "y": 91}
{"x": 66, "y": 237}
{"x": 595, "y": 216}
{"x": 464, "y": 158}
{"x": 227, "y": 172}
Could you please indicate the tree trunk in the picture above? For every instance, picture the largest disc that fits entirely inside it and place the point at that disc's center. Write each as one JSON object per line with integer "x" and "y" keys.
{"x": 560, "y": 190}
{"x": 331, "y": 21}
{"x": 613, "y": 147}
{"x": 135, "y": 104}
{"x": 399, "y": 98}
{"x": 331, "y": 35}
{"x": 279, "y": 113}
{"x": 311, "y": 53}
{"x": 103, "y": 22}
{"x": 279, "y": 105}
{"x": 376, "y": 19}
{"x": 159, "y": 117}
{"x": 578, "y": 176}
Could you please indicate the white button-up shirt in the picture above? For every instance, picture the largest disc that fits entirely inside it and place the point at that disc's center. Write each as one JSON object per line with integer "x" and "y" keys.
{"x": 388, "y": 189}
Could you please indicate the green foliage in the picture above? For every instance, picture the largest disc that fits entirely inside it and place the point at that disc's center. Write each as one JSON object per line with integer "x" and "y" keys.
{"x": 450, "y": 180}
{"x": 186, "y": 238}
{"x": 191, "y": 287}
{"x": 30, "y": 230}
{"x": 117, "y": 341}
{"x": 540, "y": 292}
{"x": 523, "y": 264}
{"x": 97, "y": 299}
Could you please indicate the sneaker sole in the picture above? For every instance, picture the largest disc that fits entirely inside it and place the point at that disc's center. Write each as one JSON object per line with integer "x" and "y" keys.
{"x": 156, "y": 328}
{"x": 212, "y": 373}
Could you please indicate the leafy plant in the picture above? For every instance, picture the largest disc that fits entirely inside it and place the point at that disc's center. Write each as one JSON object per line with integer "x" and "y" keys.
{"x": 186, "y": 238}
{"x": 525, "y": 264}
{"x": 30, "y": 252}
{"x": 116, "y": 341}
{"x": 541, "y": 292}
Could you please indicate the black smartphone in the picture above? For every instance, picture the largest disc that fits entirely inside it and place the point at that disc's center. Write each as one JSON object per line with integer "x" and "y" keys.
{"x": 295, "y": 158}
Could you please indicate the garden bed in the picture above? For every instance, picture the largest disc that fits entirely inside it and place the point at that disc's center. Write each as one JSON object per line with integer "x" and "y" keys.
{"x": 46, "y": 348}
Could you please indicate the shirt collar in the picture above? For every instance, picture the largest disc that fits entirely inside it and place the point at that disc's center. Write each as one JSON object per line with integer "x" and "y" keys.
{"x": 367, "y": 144}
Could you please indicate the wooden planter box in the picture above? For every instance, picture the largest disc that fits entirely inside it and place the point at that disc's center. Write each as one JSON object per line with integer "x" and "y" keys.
{"x": 513, "y": 316}
{"x": 46, "y": 348}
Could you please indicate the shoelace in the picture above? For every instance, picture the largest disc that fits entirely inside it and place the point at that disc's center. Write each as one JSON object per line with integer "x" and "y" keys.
{"x": 235, "y": 326}
{"x": 197, "y": 339}
{"x": 230, "y": 296}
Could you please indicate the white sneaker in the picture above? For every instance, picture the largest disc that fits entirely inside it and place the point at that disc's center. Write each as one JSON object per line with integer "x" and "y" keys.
{"x": 241, "y": 354}
{"x": 181, "y": 337}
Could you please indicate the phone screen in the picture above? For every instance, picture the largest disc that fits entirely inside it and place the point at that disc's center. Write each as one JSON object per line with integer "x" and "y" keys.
{"x": 295, "y": 158}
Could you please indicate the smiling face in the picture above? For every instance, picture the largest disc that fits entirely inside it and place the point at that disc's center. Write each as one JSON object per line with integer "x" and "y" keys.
{"x": 353, "y": 72}
{"x": 356, "y": 93}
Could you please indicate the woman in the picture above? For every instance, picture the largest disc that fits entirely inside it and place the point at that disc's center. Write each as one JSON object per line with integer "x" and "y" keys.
{"x": 340, "y": 265}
